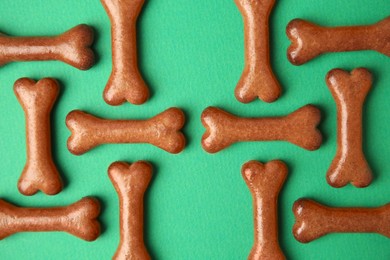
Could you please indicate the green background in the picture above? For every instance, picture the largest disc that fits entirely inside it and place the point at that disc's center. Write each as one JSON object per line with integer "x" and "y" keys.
{"x": 191, "y": 55}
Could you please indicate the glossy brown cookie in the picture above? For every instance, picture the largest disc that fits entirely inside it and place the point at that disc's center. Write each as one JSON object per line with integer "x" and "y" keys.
{"x": 224, "y": 129}
{"x": 309, "y": 40}
{"x": 37, "y": 100}
{"x": 258, "y": 79}
{"x": 349, "y": 91}
{"x": 131, "y": 182}
{"x": 265, "y": 182}
{"x": 314, "y": 220}
{"x": 78, "y": 219}
{"x": 125, "y": 83}
{"x": 162, "y": 131}
{"x": 72, "y": 47}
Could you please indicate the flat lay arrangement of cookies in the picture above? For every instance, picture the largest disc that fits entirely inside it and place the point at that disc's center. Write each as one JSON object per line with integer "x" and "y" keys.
{"x": 242, "y": 129}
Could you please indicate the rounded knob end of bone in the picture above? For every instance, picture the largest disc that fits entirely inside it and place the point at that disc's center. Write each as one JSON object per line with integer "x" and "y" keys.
{"x": 122, "y": 87}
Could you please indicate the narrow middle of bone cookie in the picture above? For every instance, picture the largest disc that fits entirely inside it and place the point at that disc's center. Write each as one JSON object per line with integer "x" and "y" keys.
{"x": 258, "y": 79}
{"x": 125, "y": 82}
{"x": 78, "y": 219}
{"x": 40, "y": 172}
{"x": 349, "y": 91}
{"x": 131, "y": 182}
{"x": 72, "y": 47}
{"x": 309, "y": 40}
{"x": 162, "y": 131}
{"x": 265, "y": 182}
{"x": 224, "y": 129}
{"x": 314, "y": 220}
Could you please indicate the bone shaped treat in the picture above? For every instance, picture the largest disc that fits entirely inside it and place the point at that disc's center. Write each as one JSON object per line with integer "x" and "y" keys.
{"x": 125, "y": 82}
{"x": 162, "y": 131}
{"x": 309, "y": 40}
{"x": 257, "y": 80}
{"x": 314, "y": 220}
{"x": 40, "y": 172}
{"x": 349, "y": 90}
{"x": 72, "y": 47}
{"x": 265, "y": 182}
{"x": 131, "y": 182}
{"x": 224, "y": 129}
{"x": 78, "y": 219}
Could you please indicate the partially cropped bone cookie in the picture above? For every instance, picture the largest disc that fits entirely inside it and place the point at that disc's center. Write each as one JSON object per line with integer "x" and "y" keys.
{"x": 309, "y": 40}
{"x": 162, "y": 131}
{"x": 265, "y": 182}
{"x": 78, "y": 219}
{"x": 258, "y": 79}
{"x": 125, "y": 83}
{"x": 224, "y": 129}
{"x": 314, "y": 220}
{"x": 72, "y": 47}
{"x": 131, "y": 182}
{"x": 349, "y": 91}
{"x": 40, "y": 172}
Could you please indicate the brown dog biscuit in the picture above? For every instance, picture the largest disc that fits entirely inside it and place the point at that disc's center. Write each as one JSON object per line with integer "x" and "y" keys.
{"x": 349, "y": 91}
{"x": 72, "y": 47}
{"x": 314, "y": 220}
{"x": 78, "y": 219}
{"x": 37, "y": 100}
{"x": 131, "y": 182}
{"x": 265, "y": 182}
{"x": 309, "y": 40}
{"x": 257, "y": 80}
{"x": 125, "y": 82}
{"x": 224, "y": 129}
{"x": 162, "y": 131}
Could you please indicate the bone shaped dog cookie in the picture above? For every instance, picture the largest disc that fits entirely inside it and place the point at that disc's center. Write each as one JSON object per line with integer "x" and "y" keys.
{"x": 131, "y": 182}
{"x": 265, "y": 182}
{"x": 162, "y": 131}
{"x": 78, "y": 219}
{"x": 257, "y": 80}
{"x": 314, "y": 220}
{"x": 224, "y": 129}
{"x": 125, "y": 82}
{"x": 40, "y": 172}
{"x": 72, "y": 47}
{"x": 309, "y": 40}
{"x": 349, "y": 91}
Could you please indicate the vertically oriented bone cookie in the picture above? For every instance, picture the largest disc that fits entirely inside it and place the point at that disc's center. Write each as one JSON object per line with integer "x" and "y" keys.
{"x": 125, "y": 82}
{"x": 314, "y": 220}
{"x": 131, "y": 182}
{"x": 162, "y": 131}
{"x": 265, "y": 182}
{"x": 309, "y": 40}
{"x": 349, "y": 91}
{"x": 224, "y": 129}
{"x": 40, "y": 172}
{"x": 78, "y": 219}
{"x": 72, "y": 47}
{"x": 257, "y": 80}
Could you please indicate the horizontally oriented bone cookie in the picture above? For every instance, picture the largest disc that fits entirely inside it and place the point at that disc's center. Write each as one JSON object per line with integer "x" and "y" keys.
{"x": 131, "y": 182}
{"x": 258, "y": 79}
{"x": 125, "y": 82}
{"x": 349, "y": 91}
{"x": 309, "y": 40}
{"x": 224, "y": 129}
{"x": 162, "y": 131}
{"x": 72, "y": 47}
{"x": 37, "y": 100}
{"x": 314, "y": 220}
{"x": 78, "y": 219}
{"x": 265, "y": 182}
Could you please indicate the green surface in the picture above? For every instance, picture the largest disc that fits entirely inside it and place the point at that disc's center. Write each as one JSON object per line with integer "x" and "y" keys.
{"x": 191, "y": 55}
